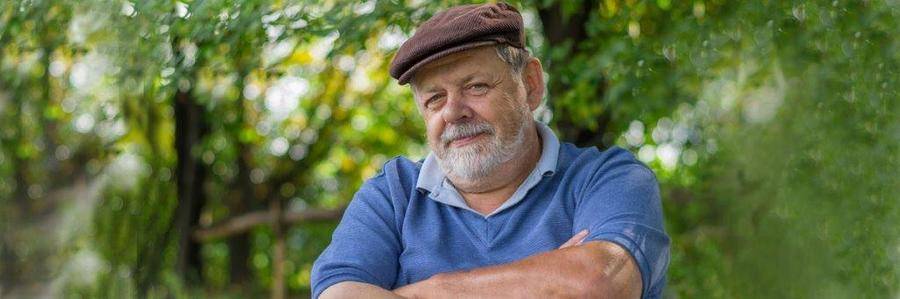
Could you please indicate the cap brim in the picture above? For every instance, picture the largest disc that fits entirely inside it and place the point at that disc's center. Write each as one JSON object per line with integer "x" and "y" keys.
{"x": 404, "y": 79}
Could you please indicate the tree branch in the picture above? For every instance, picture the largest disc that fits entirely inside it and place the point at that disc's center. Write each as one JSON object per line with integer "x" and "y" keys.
{"x": 245, "y": 222}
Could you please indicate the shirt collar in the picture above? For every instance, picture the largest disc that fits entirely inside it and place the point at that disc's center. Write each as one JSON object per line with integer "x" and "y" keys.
{"x": 433, "y": 180}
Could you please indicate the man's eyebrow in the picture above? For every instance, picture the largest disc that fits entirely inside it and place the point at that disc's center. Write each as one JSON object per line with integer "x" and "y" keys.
{"x": 430, "y": 89}
{"x": 472, "y": 76}
{"x": 468, "y": 78}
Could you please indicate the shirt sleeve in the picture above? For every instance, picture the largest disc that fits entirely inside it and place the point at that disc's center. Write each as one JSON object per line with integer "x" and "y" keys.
{"x": 621, "y": 205}
{"x": 365, "y": 246}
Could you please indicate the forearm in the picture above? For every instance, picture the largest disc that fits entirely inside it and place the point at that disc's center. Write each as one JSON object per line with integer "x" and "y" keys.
{"x": 353, "y": 289}
{"x": 596, "y": 269}
{"x": 549, "y": 275}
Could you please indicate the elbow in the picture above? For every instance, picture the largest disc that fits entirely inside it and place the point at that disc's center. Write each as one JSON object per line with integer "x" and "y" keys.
{"x": 593, "y": 284}
{"x": 609, "y": 273}
{"x": 582, "y": 279}
{"x": 603, "y": 286}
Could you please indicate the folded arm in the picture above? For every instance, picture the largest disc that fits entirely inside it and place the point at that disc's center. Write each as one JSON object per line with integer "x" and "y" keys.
{"x": 354, "y": 289}
{"x": 596, "y": 269}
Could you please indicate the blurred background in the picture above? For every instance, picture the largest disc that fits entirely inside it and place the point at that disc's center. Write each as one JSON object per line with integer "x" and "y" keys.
{"x": 160, "y": 149}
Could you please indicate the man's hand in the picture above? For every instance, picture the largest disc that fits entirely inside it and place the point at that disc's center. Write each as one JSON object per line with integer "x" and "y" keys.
{"x": 575, "y": 240}
{"x": 596, "y": 269}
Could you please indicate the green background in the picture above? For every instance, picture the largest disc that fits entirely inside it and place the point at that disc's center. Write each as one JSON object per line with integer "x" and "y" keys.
{"x": 126, "y": 127}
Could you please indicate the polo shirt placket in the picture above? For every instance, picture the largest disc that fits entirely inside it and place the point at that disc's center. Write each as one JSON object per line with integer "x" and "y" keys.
{"x": 433, "y": 182}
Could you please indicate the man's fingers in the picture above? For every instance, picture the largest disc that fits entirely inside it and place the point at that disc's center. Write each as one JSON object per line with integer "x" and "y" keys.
{"x": 575, "y": 240}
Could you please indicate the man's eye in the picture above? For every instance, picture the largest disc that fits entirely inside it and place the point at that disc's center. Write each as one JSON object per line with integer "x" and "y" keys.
{"x": 433, "y": 99}
{"x": 479, "y": 88}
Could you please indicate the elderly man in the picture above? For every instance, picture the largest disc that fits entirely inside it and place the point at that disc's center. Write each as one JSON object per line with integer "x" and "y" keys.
{"x": 500, "y": 208}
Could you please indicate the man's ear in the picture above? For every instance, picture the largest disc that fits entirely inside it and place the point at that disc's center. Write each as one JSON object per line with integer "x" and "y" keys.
{"x": 533, "y": 77}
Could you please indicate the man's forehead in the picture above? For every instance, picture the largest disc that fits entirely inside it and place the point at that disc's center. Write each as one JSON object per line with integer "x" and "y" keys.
{"x": 458, "y": 66}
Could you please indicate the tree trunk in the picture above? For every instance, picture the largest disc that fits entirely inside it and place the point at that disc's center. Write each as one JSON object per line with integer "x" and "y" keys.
{"x": 48, "y": 126}
{"x": 279, "y": 251}
{"x": 569, "y": 31}
{"x": 19, "y": 207}
{"x": 244, "y": 200}
{"x": 239, "y": 245}
{"x": 190, "y": 128}
{"x": 8, "y": 263}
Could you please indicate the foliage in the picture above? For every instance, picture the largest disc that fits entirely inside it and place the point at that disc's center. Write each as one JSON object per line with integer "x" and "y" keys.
{"x": 772, "y": 127}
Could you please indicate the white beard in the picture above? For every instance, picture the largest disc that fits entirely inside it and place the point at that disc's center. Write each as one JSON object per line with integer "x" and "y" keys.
{"x": 479, "y": 160}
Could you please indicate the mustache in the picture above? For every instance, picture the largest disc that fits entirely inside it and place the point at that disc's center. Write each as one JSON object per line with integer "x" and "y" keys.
{"x": 464, "y": 130}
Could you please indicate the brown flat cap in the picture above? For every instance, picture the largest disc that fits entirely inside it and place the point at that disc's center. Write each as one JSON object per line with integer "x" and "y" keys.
{"x": 457, "y": 29}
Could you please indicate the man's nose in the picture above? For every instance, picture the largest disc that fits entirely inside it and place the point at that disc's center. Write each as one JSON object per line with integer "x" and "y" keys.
{"x": 456, "y": 109}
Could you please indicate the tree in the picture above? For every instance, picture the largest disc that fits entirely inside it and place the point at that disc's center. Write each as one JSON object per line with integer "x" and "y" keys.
{"x": 181, "y": 148}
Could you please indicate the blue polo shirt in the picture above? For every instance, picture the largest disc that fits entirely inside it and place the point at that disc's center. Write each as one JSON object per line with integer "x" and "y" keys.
{"x": 408, "y": 223}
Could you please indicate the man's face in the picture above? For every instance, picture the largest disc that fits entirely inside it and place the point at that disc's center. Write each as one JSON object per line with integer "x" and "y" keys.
{"x": 475, "y": 111}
